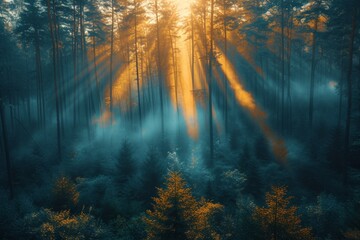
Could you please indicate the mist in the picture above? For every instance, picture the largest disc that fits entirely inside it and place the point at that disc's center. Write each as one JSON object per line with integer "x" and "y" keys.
{"x": 179, "y": 119}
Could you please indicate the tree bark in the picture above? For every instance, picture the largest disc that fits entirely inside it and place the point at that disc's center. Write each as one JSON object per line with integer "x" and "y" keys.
{"x": 211, "y": 56}
{"x": 349, "y": 91}
{"x": 51, "y": 26}
{"x": 312, "y": 79}
{"x": 111, "y": 62}
{"x": 6, "y": 149}
{"x": 137, "y": 67}
{"x": 159, "y": 69}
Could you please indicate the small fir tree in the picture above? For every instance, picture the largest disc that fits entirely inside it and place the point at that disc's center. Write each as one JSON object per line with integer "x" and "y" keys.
{"x": 65, "y": 194}
{"x": 177, "y": 215}
{"x": 278, "y": 220}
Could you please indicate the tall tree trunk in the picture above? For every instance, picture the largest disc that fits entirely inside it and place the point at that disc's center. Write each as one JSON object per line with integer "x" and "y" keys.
{"x": 289, "y": 55}
{"x": 341, "y": 91}
{"x": 129, "y": 80}
{"x": 137, "y": 67}
{"x": 51, "y": 26}
{"x": 40, "y": 93}
{"x": 88, "y": 104}
{"x": 349, "y": 91}
{"x": 59, "y": 68}
{"x": 282, "y": 66}
{"x": 111, "y": 61}
{"x": 6, "y": 149}
{"x": 192, "y": 52}
{"x": 74, "y": 65}
{"x": 312, "y": 79}
{"x": 211, "y": 56}
{"x": 159, "y": 69}
{"x": 173, "y": 54}
{"x": 224, "y": 76}
{"x": 98, "y": 99}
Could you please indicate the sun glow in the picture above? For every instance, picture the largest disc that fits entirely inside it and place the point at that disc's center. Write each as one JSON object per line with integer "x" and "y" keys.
{"x": 183, "y": 6}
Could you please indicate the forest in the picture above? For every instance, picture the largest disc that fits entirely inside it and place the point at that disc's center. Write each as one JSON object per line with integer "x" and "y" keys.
{"x": 180, "y": 119}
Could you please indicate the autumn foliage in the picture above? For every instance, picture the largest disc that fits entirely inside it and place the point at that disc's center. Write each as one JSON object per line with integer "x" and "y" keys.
{"x": 49, "y": 225}
{"x": 176, "y": 214}
{"x": 278, "y": 220}
{"x": 65, "y": 194}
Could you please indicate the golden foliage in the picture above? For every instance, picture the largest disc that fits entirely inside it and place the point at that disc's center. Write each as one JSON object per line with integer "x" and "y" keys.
{"x": 278, "y": 220}
{"x": 177, "y": 215}
{"x": 65, "y": 193}
{"x": 63, "y": 225}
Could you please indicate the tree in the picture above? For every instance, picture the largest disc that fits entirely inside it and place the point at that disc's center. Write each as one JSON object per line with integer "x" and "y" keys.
{"x": 278, "y": 220}
{"x": 46, "y": 224}
{"x": 344, "y": 27}
{"x": 314, "y": 15}
{"x": 31, "y": 28}
{"x": 4, "y": 138}
{"x": 65, "y": 194}
{"x": 51, "y": 12}
{"x": 125, "y": 167}
{"x": 227, "y": 18}
{"x": 152, "y": 175}
{"x": 210, "y": 82}
{"x": 177, "y": 215}
{"x": 159, "y": 68}
{"x": 250, "y": 167}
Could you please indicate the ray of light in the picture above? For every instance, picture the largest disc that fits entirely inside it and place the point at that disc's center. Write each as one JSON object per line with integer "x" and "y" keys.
{"x": 187, "y": 102}
{"x": 246, "y": 100}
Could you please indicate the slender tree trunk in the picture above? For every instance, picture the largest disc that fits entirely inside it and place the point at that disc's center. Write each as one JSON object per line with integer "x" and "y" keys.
{"x": 58, "y": 67}
{"x": 88, "y": 100}
{"x": 142, "y": 76}
{"x": 224, "y": 76}
{"x": 111, "y": 61}
{"x": 349, "y": 91}
{"x": 211, "y": 56}
{"x": 192, "y": 52}
{"x": 341, "y": 90}
{"x": 74, "y": 65}
{"x": 173, "y": 54}
{"x": 289, "y": 55}
{"x": 38, "y": 79}
{"x": 95, "y": 70}
{"x": 6, "y": 149}
{"x": 130, "y": 89}
{"x": 159, "y": 69}
{"x": 282, "y": 66}
{"x": 312, "y": 80}
{"x": 137, "y": 68}
{"x": 51, "y": 26}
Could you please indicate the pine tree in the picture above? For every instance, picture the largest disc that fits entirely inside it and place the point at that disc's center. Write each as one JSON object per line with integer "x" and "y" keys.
{"x": 177, "y": 215}
{"x": 278, "y": 220}
{"x": 65, "y": 194}
{"x": 125, "y": 165}
{"x": 153, "y": 172}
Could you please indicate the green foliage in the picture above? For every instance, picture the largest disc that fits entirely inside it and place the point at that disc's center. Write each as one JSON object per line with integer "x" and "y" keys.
{"x": 335, "y": 151}
{"x": 152, "y": 175}
{"x": 129, "y": 228}
{"x": 250, "y": 167}
{"x": 125, "y": 168}
{"x": 327, "y": 216}
{"x": 263, "y": 150}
